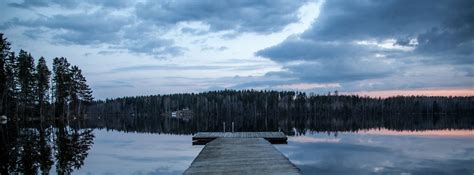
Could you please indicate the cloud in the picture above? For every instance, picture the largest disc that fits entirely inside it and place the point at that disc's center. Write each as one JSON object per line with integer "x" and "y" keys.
{"x": 160, "y": 48}
{"x": 79, "y": 28}
{"x": 448, "y": 45}
{"x": 364, "y": 19}
{"x": 242, "y": 16}
{"x": 360, "y": 45}
{"x": 358, "y": 41}
{"x": 315, "y": 61}
{"x": 118, "y": 32}
{"x": 222, "y": 48}
{"x": 114, "y": 84}
{"x": 294, "y": 49}
{"x": 300, "y": 49}
{"x": 28, "y": 4}
{"x": 164, "y": 67}
{"x": 340, "y": 70}
{"x": 141, "y": 27}
{"x": 193, "y": 31}
{"x": 174, "y": 67}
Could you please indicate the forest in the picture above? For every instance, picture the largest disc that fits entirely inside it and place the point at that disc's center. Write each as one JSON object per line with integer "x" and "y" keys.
{"x": 253, "y": 110}
{"x": 32, "y": 100}
{"x": 31, "y": 91}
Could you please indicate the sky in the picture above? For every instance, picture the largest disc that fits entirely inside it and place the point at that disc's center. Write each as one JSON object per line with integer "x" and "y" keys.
{"x": 145, "y": 47}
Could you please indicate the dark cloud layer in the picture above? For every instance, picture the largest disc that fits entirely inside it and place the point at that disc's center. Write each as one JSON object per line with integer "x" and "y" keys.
{"x": 160, "y": 48}
{"x": 360, "y": 44}
{"x": 365, "y": 19}
{"x": 139, "y": 27}
{"x": 241, "y": 16}
{"x": 346, "y": 42}
{"x": 70, "y": 3}
{"x": 294, "y": 49}
{"x": 100, "y": 28}
{"x": 80, "y": 28}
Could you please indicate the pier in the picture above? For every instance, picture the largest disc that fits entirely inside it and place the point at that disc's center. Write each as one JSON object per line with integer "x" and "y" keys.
{"x": 240, "y": 153}
{"x": 201, "y": 138}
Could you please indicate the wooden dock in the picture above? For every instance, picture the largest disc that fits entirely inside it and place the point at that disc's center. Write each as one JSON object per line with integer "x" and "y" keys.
{"x": 239, "y": 155}
{"x": 201, "y": 138}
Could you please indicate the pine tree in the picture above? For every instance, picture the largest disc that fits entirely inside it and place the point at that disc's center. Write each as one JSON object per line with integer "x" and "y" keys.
{"x": 8, "y": 78}
{"x": 70, "y": 90}
{"x": 11, "y": 91}
{"x": 24, "y": 86}
{"x": 42, "y": 84}
{"x": 74, "y": 90}
{"x": 26, "y": 79}
{"x": 3, "y": 84}
{"x": 4, "y": 52}
{"x": 80, "y": 92}
{"x": 85, "y": 93}
{"x": 61, "y": 84}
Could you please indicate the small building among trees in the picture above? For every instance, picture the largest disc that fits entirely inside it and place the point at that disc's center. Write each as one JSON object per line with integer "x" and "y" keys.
{"x": 184, "y": 114}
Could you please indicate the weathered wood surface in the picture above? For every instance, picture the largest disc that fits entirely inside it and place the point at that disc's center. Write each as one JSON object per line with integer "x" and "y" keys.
{"x": 241, "y": 156}
{"x": 273, "y": 137}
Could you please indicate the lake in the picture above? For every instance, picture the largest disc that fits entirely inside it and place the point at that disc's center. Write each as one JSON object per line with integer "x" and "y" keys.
{"x": 433, "y": 145}
{"x": 366, "y": 152}
{"x": 383, "y": 152}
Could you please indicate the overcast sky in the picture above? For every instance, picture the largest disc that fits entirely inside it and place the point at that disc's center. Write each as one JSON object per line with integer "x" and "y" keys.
{"x": 148, "y": 47}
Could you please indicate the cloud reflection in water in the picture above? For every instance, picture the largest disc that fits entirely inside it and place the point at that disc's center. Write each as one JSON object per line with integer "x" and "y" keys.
{"x": 362, "y": 153}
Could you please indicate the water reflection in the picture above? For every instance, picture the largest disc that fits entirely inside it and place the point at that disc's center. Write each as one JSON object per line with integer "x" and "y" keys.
{"x": 428, "y": 133}
{"x": 117, "y": 152}
{"x": 337, "y": 145}
{"x": 28, "y": 150}
{"x": 381, "y": 153}
{"x": 299, "y": 124}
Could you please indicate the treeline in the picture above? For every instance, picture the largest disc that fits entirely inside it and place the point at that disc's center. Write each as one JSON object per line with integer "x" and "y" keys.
{"x": 29, "y": 90}
{"x": 252, "y": 110}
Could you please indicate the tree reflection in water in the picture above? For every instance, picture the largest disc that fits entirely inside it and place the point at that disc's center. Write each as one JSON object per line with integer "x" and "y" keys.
{"x": 29, "y": 150}
{"x": 61, "y": 146}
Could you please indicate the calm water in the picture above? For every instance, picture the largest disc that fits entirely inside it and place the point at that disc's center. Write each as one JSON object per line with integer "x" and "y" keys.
{"x": 81, "y": 147}
{"x": 382, "y": 153}
{"x": 116, "y": 152}
{"x": 365, "y": 152}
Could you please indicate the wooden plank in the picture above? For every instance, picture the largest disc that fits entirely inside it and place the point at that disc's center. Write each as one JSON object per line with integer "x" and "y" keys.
{"x": 240, "y": 134}
{"x": 202, "y": 138}
{"x": 241, "y": 156}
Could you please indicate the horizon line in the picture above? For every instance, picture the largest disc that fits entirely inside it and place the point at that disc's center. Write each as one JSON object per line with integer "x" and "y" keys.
{"x": 458, "y": 92}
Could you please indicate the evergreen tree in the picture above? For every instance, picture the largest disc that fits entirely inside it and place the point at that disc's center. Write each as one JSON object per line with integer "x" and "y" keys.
{"x": 4, "y": 52}
{"x": 70, "y": 89}
{"x": 3, "y": 84}
{"x": 8, "y": 78}
{"x": 24, "y": 86}
{"x": 82, "y": 93}
{"x": 42, "y": 84}
{"x": 26, "y": 79}
{"x": 61, "y": 85}
{"x": 74, "y": 90}
{"x": 10, "y": 94}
